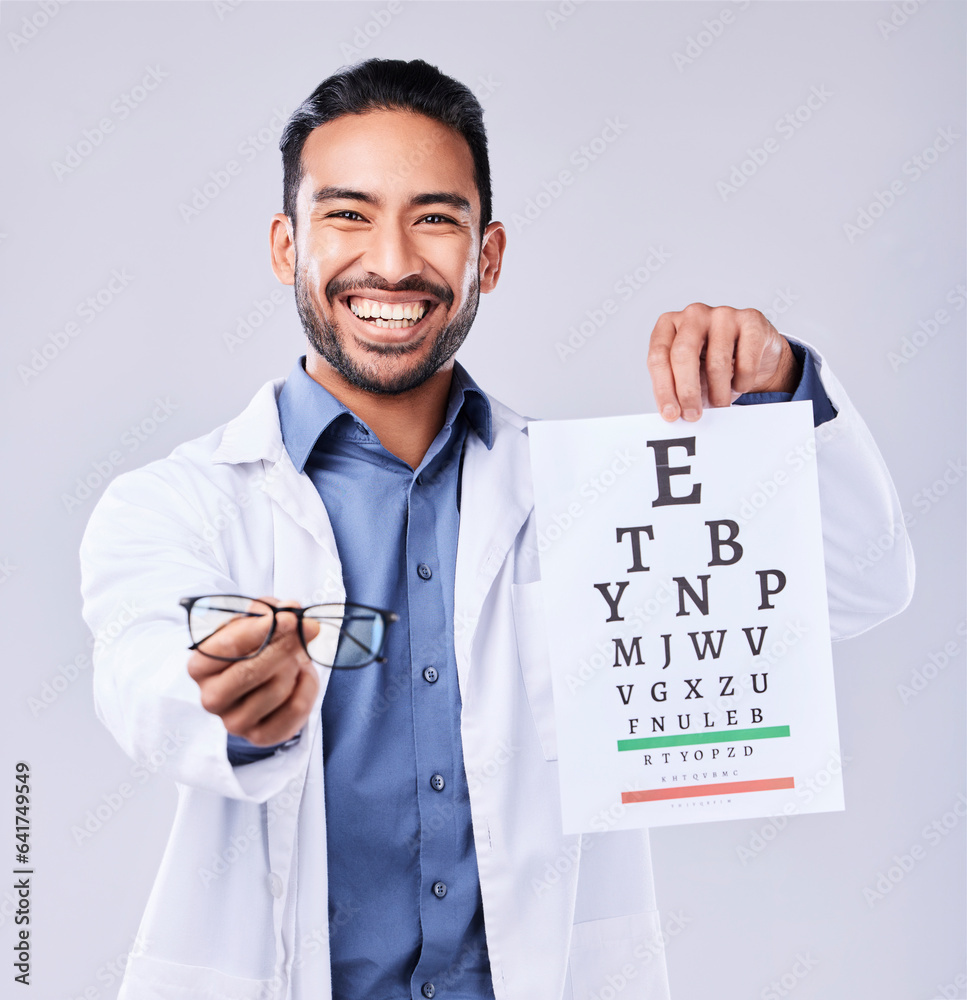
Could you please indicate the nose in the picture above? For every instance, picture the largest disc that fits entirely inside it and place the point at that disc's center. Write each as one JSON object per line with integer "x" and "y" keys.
{"x": 392, "y": 254}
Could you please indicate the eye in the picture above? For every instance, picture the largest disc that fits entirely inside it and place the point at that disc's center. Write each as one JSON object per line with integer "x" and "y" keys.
{"x": 437, "y": 219}
{"x": 346, "y": 213}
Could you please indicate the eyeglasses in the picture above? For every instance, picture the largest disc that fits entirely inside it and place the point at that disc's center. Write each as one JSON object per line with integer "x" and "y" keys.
{"x": 350, "y": 635}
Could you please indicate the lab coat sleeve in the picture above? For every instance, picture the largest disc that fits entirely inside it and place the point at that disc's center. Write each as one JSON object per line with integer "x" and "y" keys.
{"x": 148, "y": 544}
{"x": 869, "y": 559}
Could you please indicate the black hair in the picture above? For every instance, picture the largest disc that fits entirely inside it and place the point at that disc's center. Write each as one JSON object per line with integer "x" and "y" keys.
{"x": 388, "y": 84}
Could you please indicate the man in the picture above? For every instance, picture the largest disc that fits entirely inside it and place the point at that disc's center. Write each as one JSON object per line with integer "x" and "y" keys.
{"x": 379, "y": 832}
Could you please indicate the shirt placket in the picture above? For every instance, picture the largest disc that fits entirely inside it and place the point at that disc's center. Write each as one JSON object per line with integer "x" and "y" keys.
{"x": 435, "y": 702}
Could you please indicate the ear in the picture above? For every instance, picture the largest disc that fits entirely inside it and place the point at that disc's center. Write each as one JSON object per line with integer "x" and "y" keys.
{"x": 491, "y": 255}
{"x": 282, "y": 240}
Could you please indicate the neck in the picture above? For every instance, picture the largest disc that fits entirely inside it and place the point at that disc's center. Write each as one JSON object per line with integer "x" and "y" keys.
{"x": 406, "y": 423}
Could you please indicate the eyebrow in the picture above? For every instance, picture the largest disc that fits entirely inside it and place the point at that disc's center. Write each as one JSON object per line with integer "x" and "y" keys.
{"x": 331, "y": 193}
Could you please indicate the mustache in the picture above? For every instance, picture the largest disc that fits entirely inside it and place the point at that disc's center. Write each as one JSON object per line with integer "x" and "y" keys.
{"x": 414, "y": 283}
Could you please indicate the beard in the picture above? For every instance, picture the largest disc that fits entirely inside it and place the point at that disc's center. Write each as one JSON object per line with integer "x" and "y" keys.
{"x": 325, "y": 337}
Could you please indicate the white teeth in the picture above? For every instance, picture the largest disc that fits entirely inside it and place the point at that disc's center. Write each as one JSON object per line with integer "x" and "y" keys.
{"x": 387, "y": 315}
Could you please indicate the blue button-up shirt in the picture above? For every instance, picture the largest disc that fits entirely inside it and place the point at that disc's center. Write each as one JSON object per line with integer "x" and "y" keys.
{"x": 404, "y": 895}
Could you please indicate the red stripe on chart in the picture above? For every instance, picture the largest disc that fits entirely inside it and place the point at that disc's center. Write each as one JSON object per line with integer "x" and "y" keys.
{"x": 698, "y": 791}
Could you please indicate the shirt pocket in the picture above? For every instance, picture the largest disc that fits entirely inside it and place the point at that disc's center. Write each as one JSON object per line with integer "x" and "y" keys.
{"x": 535, "y": 661}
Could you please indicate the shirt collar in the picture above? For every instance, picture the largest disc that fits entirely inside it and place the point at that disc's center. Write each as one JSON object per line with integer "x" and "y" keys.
{"x": 307, "y": 410}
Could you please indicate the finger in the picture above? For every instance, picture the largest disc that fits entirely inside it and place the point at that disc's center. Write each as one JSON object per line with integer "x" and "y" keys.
{"x": 241, "y": 636}
{"x": 723, "y": 333}
{"x": 758, "y": 351}
{"x": 289, "y": 718}
{"x": 686, "y": 359}
{"x": 283, "y": 656}
{"x": 261, "y": 701}
{"x": 660, "y": 368}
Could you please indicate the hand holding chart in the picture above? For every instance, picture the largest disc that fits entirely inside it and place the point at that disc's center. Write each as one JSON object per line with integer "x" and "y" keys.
{"x": 685, "y": 602}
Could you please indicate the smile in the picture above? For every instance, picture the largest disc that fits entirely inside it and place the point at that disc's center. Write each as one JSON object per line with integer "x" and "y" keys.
{"x": 389, "y": 315}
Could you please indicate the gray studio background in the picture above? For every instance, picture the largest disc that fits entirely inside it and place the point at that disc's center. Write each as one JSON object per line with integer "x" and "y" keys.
{"x": 747, "y": 904}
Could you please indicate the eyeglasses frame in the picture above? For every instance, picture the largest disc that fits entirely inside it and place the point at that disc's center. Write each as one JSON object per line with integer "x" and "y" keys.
{"x": 189, "y": 602}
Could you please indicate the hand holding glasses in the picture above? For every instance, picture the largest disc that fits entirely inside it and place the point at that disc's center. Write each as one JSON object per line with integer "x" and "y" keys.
{"x": 251, "y": 657}
{"x": 358, "y": 631}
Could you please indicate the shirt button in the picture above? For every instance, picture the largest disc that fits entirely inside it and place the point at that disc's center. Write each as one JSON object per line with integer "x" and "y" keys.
{"x": 424, "y": 571}
{"x": 439, "y": 889}
{"x": 275, "y": 885}
{"x": 428, "y": 990}
{"x": 430, "y": 675}
{"x": 437, "y": 783}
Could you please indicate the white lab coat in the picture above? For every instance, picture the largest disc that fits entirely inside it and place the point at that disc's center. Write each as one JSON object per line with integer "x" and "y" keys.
{"x": 239, "y": 908}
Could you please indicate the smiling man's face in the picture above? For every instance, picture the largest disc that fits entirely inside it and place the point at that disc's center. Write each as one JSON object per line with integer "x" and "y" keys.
{"x": 387, "y": 257}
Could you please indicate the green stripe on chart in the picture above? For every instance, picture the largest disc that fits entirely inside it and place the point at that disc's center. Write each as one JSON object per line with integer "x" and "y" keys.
{"x": 687, "y": 739}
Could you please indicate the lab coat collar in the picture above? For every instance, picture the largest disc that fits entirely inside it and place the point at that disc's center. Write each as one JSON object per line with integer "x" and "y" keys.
{"x": 255, "y": 434}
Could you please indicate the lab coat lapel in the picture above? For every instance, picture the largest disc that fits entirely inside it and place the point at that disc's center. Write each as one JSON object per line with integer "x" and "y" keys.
{"x": 496, "y": 499}
{"x": 255, "y": 436}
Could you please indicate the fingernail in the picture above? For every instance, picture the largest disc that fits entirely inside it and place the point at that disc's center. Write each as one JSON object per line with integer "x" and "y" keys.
{"x": 669, "y": 411}
{"x": 692, "y": 414}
